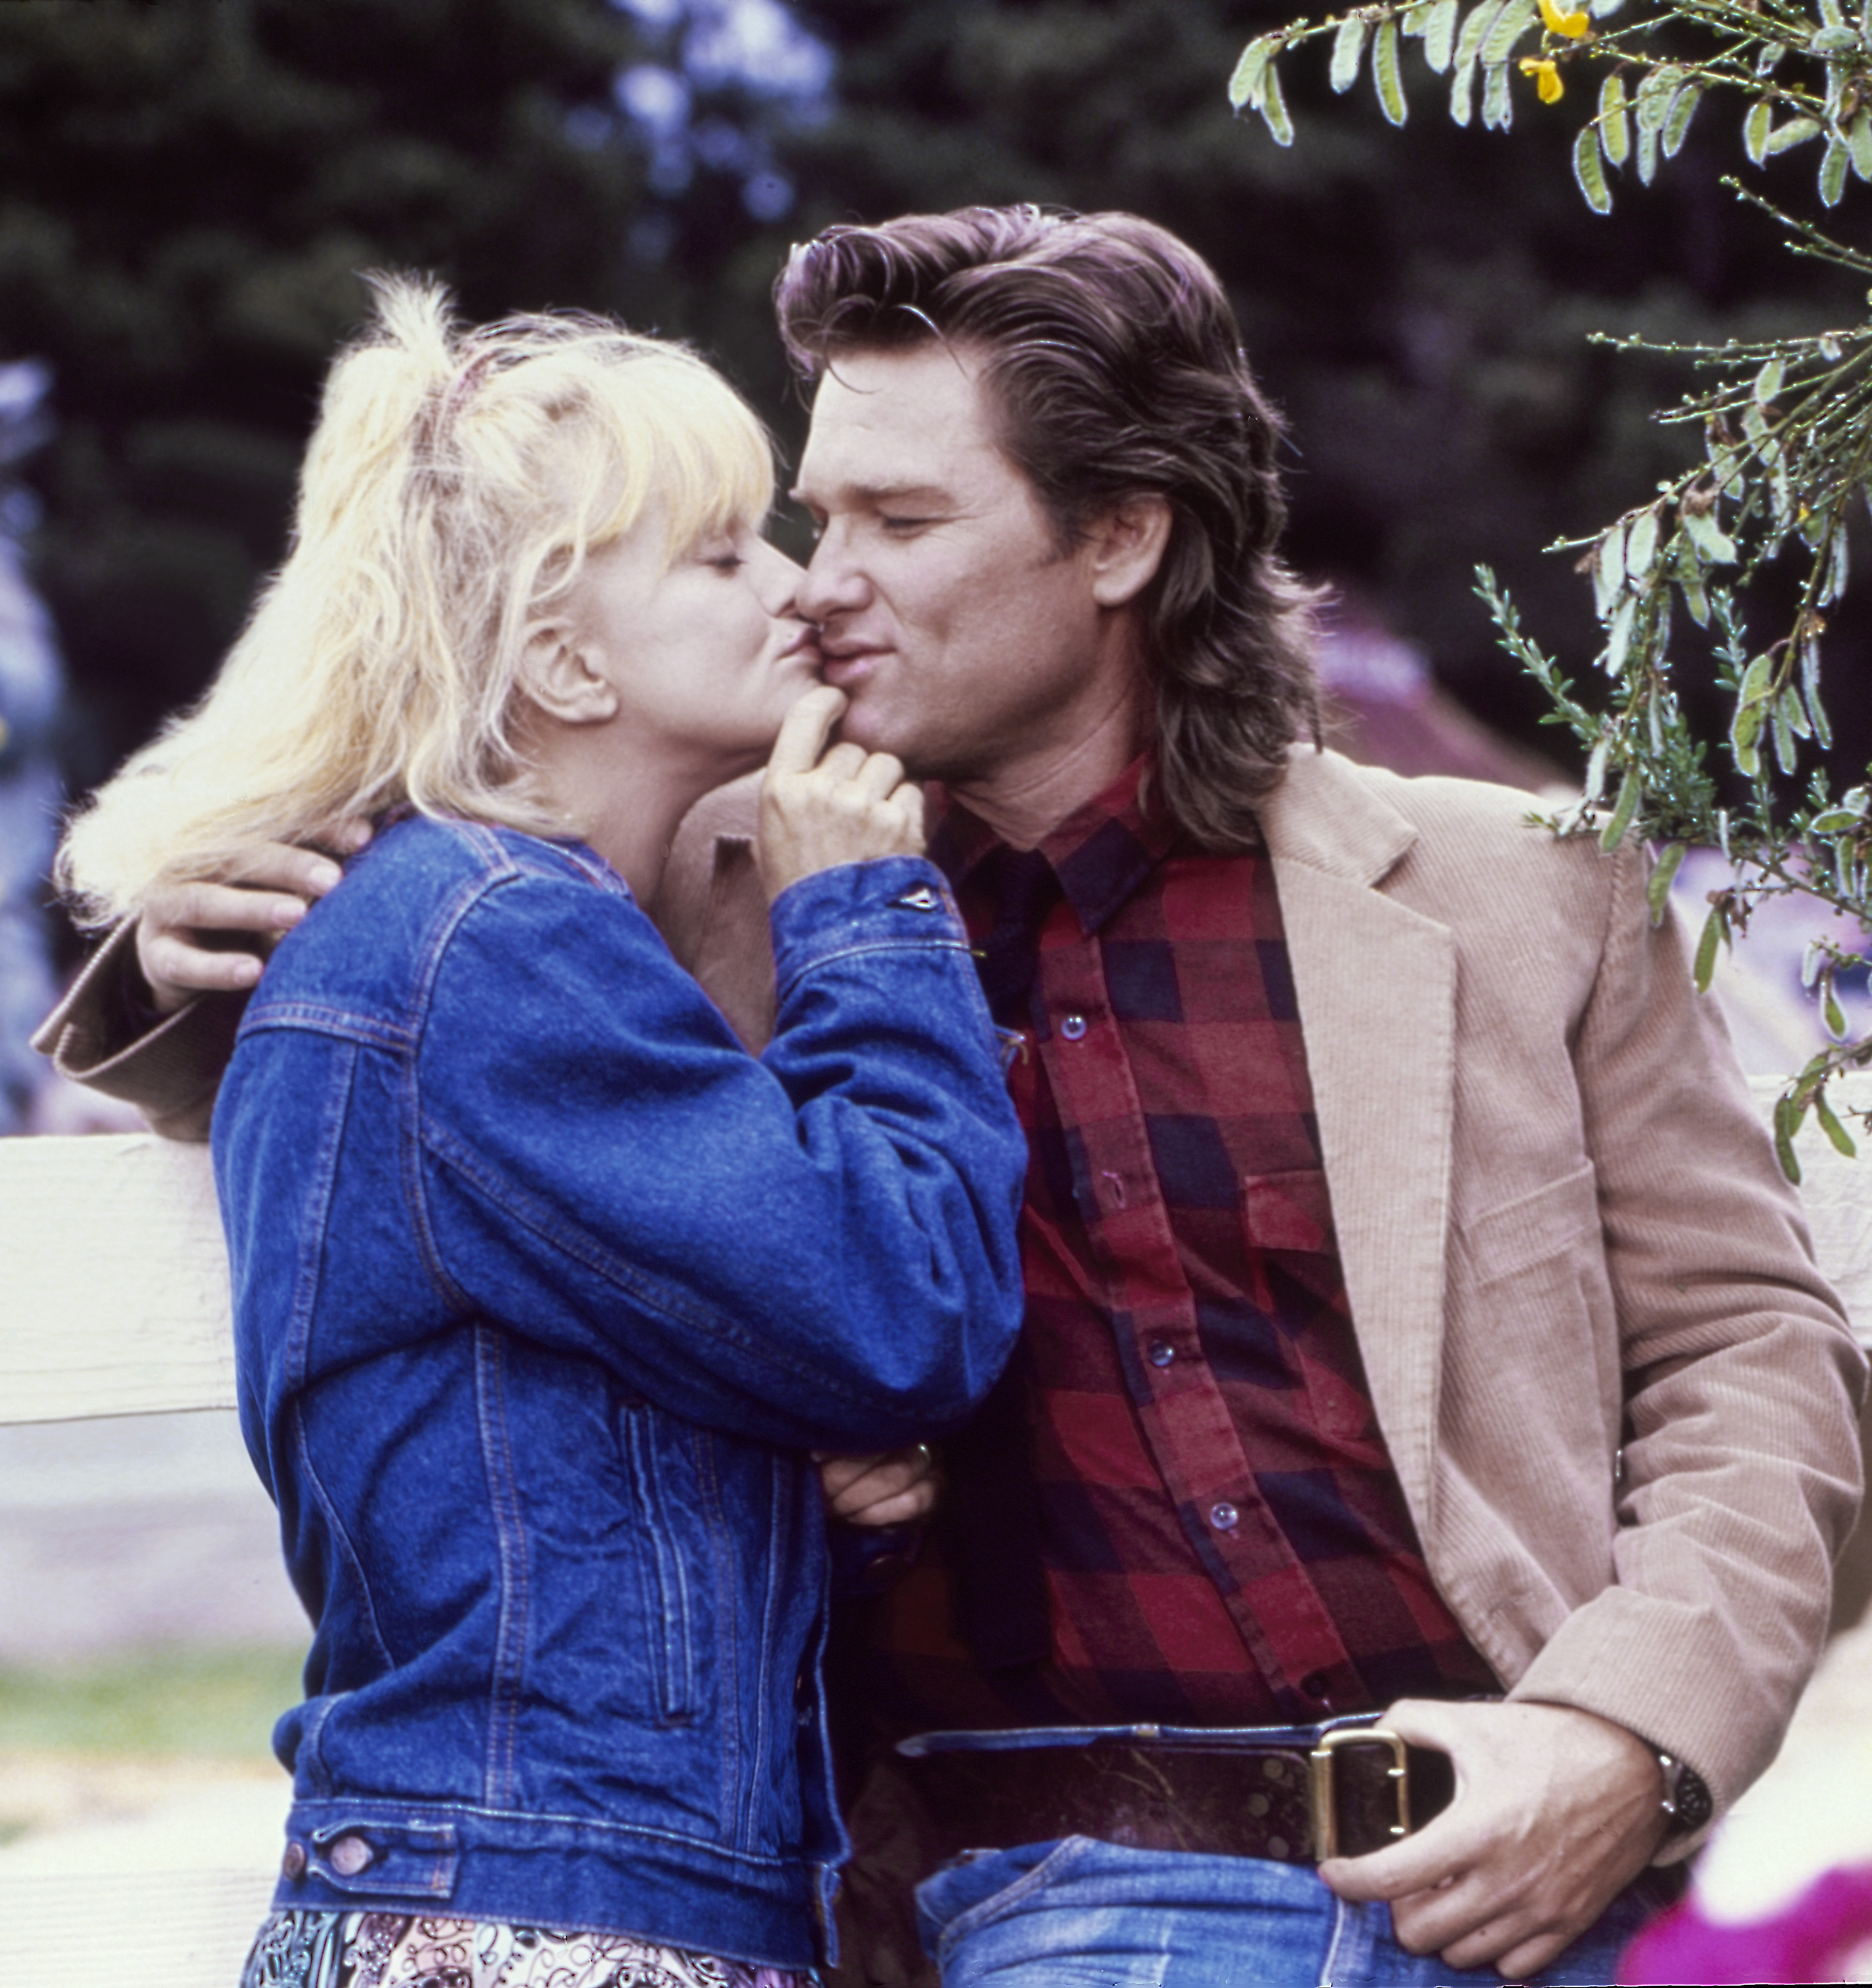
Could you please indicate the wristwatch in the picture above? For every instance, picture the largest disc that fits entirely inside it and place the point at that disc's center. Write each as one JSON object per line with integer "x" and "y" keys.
{"x": 1688, "y": 1801}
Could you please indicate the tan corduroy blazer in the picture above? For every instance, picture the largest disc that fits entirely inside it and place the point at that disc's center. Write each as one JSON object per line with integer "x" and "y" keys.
{"x": 1620, "y": 1399}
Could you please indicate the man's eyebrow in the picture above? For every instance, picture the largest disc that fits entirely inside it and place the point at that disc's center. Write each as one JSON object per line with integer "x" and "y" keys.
{"x": 874, "y": 494}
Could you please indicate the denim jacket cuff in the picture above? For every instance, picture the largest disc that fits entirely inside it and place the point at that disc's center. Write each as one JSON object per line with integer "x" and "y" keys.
{"x": 890, "y": 903}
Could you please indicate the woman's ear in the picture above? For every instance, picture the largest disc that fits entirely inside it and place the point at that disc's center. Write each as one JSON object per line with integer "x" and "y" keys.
{"x": 559, "y": 674}
{"x": 1126, "y": 547}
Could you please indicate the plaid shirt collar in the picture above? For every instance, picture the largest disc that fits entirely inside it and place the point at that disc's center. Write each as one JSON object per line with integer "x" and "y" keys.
{"x": 1101, "y": 853}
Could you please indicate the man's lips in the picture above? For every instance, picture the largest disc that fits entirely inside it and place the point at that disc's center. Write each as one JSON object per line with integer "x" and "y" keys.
{"x": 848, "y": 663}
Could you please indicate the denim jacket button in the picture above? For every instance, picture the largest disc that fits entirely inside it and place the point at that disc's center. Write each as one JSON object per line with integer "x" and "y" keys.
{"x": 349, "y": 1855}
{"x": 293, "y": 1865}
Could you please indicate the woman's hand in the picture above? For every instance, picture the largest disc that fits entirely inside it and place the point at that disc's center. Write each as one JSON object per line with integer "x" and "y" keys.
{"x": 846, "y": 807}
{"x": 183, "y": 931}
{"x": 896, "y": 1488}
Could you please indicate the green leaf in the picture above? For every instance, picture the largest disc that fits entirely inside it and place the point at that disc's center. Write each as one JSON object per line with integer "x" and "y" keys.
{"x": 1832, "y": 173}
{"x": 1841, "y": 1138}
{"x": 1832, "y": 1013}
{"x": 1475, "y": 25}
{"x": 1690, "y": 584}
{"x": 1641, "y": 546}
{"x": 1348, "y": 48}
{"x": 1646, "y": 159}
{"x": 1788, "y": 1116}
{"x": 1840, "y": 41}
{"x": 1655, "y": 89}
{"x": 1744, "y": 732}
{"x": 1767, "y": 383}
{"x": 1833, "y": 820}
{"x": 1631, "y": 791}
{"x": 1244, "y": 87}
{"x": 1859, "y": 143}
{"x": 1439, "y": 35}
{"x": 1677, "y": 120}
{"x": 1614, "y": 124}
{"x": 1715, "y": 928}
{"x": 1713, "y": 544}
{"x": 1794, "y": 713}
{"x": 1609, "y": 569}
{"x": 1389, "y": 83}
{"x": 1785, "y": 137}
{"x": 1273, "y": 108}
{"x": 1589, "y": 173}
{"x": 1756, "y": 127}
{"x": 1657, "y": 891}
{"x": 1754, "y": 685}
{"x": 1514, "y": 19}
{"x": 1497, "y": 106}
{"x": 1618, "y": 636}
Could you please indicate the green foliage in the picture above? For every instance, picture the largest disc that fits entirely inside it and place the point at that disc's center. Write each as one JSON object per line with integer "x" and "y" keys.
{"x": 1785, "y": 428}
{"x": 186, "y": 193}
{"x": 1800, "y": 73}
{"x": 215, "y": 1702}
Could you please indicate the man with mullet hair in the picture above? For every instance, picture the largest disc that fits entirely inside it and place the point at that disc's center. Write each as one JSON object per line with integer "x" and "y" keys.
{"x": 1410, "y": 1517}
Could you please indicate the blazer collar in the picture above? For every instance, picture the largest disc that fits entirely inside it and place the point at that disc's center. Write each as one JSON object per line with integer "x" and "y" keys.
{"x": 1327, "y": 814}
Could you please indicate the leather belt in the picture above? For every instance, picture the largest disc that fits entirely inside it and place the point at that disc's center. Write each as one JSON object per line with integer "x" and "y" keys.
{"x": 1293, "y": 1794}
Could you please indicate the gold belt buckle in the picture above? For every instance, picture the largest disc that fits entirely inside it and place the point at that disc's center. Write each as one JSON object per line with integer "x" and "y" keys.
{"x": 1319, "y": 1783}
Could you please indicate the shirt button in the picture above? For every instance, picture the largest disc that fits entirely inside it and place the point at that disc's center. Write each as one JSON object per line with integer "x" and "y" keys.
{"x": 1073, "y": 1028}
{"x": 1315, "y": 1684}
{"x": 1161, "y": 1353}
{"x": 1224, "y": 1517}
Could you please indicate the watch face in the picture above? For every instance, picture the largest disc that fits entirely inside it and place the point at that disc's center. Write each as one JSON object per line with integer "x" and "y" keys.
{"x": 1693, "y": 1804}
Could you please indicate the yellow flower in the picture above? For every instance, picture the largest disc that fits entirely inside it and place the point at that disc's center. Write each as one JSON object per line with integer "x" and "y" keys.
{"x": 1573, "y": 26}
{"x": 1546, "y": 75}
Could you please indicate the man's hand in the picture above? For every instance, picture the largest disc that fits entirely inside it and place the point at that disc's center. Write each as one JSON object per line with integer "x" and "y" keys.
{"x": 896, "y": 1488}
{"x": 846, "y": 807}
{"x": 177, "y": 930}
{"x": 1556, "y": 1811}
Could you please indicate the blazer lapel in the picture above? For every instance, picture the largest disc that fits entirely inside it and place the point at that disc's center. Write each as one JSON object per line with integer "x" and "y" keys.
{"x": 1376, "y": 987}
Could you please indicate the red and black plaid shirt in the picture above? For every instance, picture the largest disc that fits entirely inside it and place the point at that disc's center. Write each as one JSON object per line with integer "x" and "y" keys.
{"x": 1224, "y": 1537}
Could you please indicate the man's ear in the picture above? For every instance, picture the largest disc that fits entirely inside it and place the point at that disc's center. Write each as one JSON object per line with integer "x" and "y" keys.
{"x": 1126, "y": 546}
{"x": 559, "y": 676}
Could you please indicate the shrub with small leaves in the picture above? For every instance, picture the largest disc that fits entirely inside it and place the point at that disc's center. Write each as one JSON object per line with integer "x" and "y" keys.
{"x": 1786, "y": 432}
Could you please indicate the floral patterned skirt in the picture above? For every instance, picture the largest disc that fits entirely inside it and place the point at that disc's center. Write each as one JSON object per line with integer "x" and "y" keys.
{"x": 378, "y": 1950}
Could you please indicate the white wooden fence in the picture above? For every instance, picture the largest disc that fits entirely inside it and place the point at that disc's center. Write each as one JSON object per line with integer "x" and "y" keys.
{"x": 113, "y": 1301}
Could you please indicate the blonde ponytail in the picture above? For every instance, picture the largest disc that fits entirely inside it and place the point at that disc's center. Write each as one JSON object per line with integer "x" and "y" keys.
{"x": 455, "y": 484}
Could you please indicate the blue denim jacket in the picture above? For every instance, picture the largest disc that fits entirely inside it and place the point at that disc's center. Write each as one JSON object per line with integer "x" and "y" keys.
{"x": 543, "y": 1288}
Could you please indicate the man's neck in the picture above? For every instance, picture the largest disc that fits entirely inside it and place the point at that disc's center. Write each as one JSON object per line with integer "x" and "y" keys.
{"x": 1026, "y": 798}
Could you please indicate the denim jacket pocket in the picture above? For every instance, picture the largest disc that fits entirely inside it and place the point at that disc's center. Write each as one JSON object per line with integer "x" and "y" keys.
{"x": 667, "y": 1628}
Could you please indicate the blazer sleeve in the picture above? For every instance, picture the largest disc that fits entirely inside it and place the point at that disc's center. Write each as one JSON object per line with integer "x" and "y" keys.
{"x": 101, "y": 1035}
{"x": 815, "y": 1248}
{"x": 1741, "y": 1468}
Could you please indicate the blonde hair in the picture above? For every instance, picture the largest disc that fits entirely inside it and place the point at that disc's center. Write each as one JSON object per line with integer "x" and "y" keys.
{"x": 456, "y": 483}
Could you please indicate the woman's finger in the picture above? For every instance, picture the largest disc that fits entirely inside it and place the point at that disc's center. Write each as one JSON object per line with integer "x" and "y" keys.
{"x": 879, "y": 777}
{"x": 805, "y": 730}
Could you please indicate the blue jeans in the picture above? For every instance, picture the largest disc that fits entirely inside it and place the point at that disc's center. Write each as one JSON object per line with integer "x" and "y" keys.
{"x": 1080, "y": 1914}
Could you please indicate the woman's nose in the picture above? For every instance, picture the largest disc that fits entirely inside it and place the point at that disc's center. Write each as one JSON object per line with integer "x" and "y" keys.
{"x": 777, "y": 580}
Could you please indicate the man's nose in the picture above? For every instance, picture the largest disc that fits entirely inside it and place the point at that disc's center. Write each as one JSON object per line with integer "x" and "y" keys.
{"x": 832, "y": 582}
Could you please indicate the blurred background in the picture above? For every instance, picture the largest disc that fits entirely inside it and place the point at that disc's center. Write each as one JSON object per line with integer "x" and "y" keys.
{"x": 188, "y": 190}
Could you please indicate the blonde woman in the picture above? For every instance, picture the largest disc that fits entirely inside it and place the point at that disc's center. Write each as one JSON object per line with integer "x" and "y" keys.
{"x": 545, "y": 1289}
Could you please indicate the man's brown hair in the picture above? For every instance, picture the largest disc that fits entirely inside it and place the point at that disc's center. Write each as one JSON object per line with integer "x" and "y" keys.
{"x": 1115, "y": 368}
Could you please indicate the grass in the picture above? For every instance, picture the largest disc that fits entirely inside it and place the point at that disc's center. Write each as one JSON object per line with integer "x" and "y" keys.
{"x": 220, "y": 1703}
